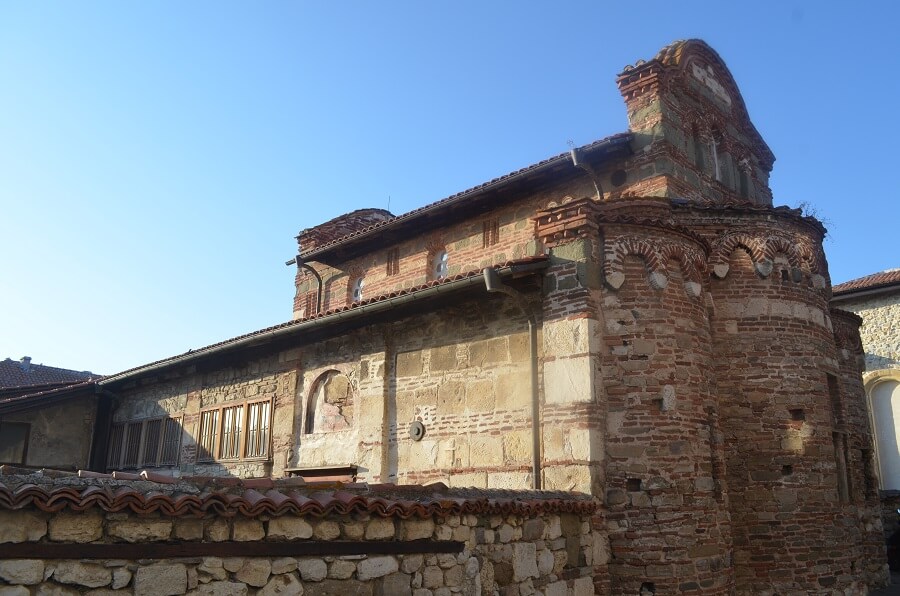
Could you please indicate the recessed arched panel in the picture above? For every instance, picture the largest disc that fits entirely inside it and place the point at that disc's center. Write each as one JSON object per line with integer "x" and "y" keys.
{"x": 885, "y": 400}
{"x": 329, "y": 406}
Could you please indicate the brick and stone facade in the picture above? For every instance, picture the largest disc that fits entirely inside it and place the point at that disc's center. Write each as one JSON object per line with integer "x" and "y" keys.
{"x": 689, "y": 371}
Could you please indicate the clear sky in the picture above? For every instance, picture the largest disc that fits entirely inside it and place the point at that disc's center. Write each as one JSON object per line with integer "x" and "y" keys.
{"x": 157, "y": 159}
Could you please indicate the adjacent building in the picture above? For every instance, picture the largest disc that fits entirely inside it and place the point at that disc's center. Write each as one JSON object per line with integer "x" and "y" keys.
{"x": 633, "y": 319}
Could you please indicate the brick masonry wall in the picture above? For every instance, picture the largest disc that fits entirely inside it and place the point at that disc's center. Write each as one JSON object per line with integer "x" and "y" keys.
{"x": 880, "y": 330}
{"x": 549, "y": 553}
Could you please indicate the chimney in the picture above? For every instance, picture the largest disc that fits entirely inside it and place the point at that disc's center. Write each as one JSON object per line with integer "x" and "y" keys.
{"x": 25, "y": 363}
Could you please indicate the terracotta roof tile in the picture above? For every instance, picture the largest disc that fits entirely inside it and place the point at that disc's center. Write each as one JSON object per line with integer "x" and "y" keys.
{"x": 868, "y": 282}
{"x": 22, "y": 373}
{"x": 184, "y": 497}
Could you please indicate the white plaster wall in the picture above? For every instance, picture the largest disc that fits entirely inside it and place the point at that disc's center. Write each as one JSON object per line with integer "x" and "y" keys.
{"x": 886, "y": 413}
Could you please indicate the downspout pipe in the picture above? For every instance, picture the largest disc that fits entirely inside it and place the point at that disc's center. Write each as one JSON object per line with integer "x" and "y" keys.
{"x": 493, "y": 283}
{"x": 302, "y": 265}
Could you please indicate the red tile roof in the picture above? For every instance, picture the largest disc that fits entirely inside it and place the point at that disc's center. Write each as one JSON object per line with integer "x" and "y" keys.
{"x": 22, "y": 373}
{"x": 53, "y": 491}
{"x": 868, "y": 282}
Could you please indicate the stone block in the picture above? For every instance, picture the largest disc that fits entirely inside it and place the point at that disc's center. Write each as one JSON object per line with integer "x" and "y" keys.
{"x": 476, "y": 479}
{"x": 22, "y": 526}
{"x": 327, "y": 530}
{"x": 480, "y": 396}
{"x": 247, "y": 530}
{"x": 213, "y": 566}
{"x": 88, "y": 575}
{"x": 394, "y": 584}
{"x": 137, "y": 529}
{"x": 342, "y": 587}
{"x": 412, "y": 563}
{"x": 416, "y": 529}
{"x": 217, "y": 531}
{"x": 161, "y": 580}
{"x": 432, "y": 577}
{"x": 121, "y": 577}
{"x": 22, "y": 571}
{"x": 85, "y": 526}
{"x": 488, "y": 352}
{"x": 380, "y": 528}
{"x": 583, "y": 586}
{"x": 220, "y": 588}
{"x": 517, "y": 446}
{"x": 485, "y": 450}
{"x": 451, "y": 398}
{"x": 409, "y": 364}
{"x": 442, "y": 358}
{"x": 374, "y": 567}
{"x": 255, "y": 572}
{"x": 312, "y": 570}
{"x": 18, "y": 591}
{"x": 282, "y": 585}
{"x": 288, "y": 527}
{"x": 510, "y": 480}
{"x": 284, "y": 565}
{"x": 513, "y": 390}
{"x": 567, "y": 336}
{"x": 189, "y": 529}
{"x": 341, "y": 569}
{"x": 568, "y": 380}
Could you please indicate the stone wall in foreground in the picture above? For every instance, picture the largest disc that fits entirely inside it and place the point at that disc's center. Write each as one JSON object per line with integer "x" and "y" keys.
{"x": 532, "y": 548}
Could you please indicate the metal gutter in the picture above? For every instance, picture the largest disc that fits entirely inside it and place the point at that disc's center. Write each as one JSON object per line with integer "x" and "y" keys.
{"x": 299, "y": 327}
{"x": 623, "y": 139}
{"x": 862, "y": 293}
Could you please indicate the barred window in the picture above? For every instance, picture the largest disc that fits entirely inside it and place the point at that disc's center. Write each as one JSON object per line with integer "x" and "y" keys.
{"x": 232, "y": 419}
{"x": 209, "y": 426}
{"x": 258, "y": 429}
{"x": 153, "y": 442}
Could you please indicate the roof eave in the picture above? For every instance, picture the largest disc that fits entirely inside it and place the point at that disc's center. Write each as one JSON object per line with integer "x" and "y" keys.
{"x": 300, "y": 327}
{"x": 614, "y": 146}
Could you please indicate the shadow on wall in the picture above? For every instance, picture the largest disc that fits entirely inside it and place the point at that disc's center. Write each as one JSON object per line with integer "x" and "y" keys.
{"x": 877, "y": 362}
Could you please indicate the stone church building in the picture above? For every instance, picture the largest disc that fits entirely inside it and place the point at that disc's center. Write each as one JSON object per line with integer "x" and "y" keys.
{"x": 633, "y": 319}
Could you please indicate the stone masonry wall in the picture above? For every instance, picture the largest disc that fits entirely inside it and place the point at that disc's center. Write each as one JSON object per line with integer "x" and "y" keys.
{"x": 546, "y": 552}
{"x": 880, "y": 330}
{"x": 59, "y": 436}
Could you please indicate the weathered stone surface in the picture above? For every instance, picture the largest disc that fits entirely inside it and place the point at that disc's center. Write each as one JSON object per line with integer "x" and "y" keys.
{"x": 289, "y": 528}
{"x": 282, "y": 585}
{"x": 343, "y": 587}
{"x": 341, "y": 569}
{"x": 284, "y": 565}
{"x": 14, "y": 591}
{"x": 312, "y": 570}
{"x": 49, "y": 589}
{"x": 254, "y": 572}
{"x": 220, "y": 588}
{"x": 415, "y": 529}
{"x": 246, "y": 530}
{"x": 85, "y": 526}
{"x": 22, "y": 526}
{"x": 432, "y": 577}
{"x": 327, "y": 530}
{"x": 233, "y": 564}
{"x": 121, "y": 577}
{"x": 213, "y": 566}
{"x": 82, "y": 574}
{"x": 135, "y": 529}
{"x": 22, "y": 571}
{"x": 217, "y": 530}
{"x": 394, "y": 584}
{"x": 524, "y": 561}
{"x": 161, "y": 580}
{"x": 189, "y": 529}
{"x": 379, "y": 528}
{"x": 411, "y": 563}
{"x": 376, "y": 567}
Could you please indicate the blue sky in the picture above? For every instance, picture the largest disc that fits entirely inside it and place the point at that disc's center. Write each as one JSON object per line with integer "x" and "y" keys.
{"x": 157, "y": 159}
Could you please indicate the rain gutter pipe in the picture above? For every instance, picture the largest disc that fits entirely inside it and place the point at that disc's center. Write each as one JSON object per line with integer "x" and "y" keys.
{"x": 493, "y": 283}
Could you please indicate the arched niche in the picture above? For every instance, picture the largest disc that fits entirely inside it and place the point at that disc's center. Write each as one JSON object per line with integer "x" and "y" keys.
{"x": 330, "y": 404}
{"x": 883, "y": 390}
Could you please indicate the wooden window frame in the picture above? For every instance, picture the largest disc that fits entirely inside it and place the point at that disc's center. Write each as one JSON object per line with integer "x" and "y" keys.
{"x": 490, "y": 232}
{"x": 392, "y": 266}
{"x": 118, "y": 449}
{"x": 219, "y": 432}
